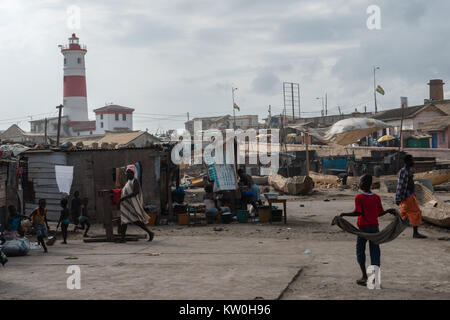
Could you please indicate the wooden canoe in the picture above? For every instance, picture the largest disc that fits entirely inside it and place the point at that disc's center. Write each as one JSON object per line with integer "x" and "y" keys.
{"x": 433, "y": 209}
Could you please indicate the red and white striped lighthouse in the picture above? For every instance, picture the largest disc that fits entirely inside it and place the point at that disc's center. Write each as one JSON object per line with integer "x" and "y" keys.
{"x": 75, "y": 99}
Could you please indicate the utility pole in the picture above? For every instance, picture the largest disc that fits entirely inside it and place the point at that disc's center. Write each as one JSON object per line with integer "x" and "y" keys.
{"x": 326, "y": 104}
{"x": 45, "y": 134}
{"x": 292, "y": 94}
{"x": 375, "y": 87}
{"x": 307, "y": 152}
{"x": 400, "y": 148}
{"x": 59, "y": 123}
{"x": 339, "y": 108}
{"x": 270, "y": 115}
{"x": 188, "y": 116}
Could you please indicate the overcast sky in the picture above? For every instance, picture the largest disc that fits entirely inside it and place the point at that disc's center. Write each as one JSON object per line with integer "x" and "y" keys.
{"x": 167, "y": 57}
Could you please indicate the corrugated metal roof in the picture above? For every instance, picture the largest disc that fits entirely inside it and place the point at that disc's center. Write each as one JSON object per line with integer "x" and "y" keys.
{"x": 123, "y": 138}
{"x": 112, "y": 108}
{"x": 439, "y": 123}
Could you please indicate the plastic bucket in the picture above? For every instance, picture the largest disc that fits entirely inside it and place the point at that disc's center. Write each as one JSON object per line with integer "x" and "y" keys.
{"x": 152, "y": 219}
{"x": 242, "y": 216}
{"x": 227, "y": 217}
{"x": 264, "y": 213}
{"x": 183, "y": 219}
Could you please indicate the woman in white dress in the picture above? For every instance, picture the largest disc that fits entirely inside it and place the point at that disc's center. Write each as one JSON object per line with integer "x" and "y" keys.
{"x": 131, "y": 205}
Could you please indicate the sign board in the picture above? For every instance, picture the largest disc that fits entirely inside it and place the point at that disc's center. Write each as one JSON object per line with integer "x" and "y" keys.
{"x": 223, "y": 175}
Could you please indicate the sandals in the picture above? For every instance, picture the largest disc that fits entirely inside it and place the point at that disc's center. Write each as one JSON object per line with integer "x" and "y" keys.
{"x": 361, "y": 282}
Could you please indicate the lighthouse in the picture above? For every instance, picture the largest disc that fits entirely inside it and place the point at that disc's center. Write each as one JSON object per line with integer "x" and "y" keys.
{"x": 75, "y": 99}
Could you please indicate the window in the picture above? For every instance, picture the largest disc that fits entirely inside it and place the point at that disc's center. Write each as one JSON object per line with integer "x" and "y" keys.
{"x": 117, "y": 116}
{"x": 124, "y": 117}
{"x": 79, "y": 60}
{"x": 442, "y": 136}
{"x": 65, "y": 60}
{"x": 90, "y": 132}
{"x": 101, "y": 117}
{"x": 101, "y": 124}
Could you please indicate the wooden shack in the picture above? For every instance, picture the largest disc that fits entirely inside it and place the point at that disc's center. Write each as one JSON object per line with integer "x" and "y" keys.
{"x": 93, "y": 172}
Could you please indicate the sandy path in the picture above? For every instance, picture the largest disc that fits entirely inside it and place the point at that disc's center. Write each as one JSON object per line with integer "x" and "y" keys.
{"x": 244, "y": 261}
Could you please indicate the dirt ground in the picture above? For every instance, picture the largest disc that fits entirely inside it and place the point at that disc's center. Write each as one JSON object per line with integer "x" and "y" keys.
{"x": 305, "y": 259}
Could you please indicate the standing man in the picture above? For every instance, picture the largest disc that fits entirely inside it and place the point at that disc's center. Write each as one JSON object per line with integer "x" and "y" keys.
{"x": 406, "y": 198}
{"x": 131, "y": 205}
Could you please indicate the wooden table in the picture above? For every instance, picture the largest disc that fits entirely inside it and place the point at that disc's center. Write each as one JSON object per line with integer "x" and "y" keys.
{"x": 283, "y": 201}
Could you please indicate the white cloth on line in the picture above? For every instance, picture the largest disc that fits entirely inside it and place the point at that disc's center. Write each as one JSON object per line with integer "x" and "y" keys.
{"x": 64, "y": 178}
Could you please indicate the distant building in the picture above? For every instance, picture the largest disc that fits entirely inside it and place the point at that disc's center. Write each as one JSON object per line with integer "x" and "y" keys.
{"x": 113, "y": 117}
{"x": 314, "y": 122}
{"x": 16, "y": 135}
{"x": 224, "y": 122}
{"x": 415, "y": 118}
{"x": 114, "y": 139}
{"x": 439, "y": 128}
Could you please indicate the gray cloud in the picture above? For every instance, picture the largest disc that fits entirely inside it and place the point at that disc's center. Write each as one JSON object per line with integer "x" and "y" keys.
{"x": 266, "y": 83}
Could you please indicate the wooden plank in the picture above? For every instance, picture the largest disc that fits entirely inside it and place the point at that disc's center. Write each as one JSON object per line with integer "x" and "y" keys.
{"x": 44, "y": 182}
{"x": 59, "y": 159}
{"x": 40, "y": 195}
{"x": 45, "y": 165}
{"x": 42, "y": 171}
{"x": 48, "y": 189}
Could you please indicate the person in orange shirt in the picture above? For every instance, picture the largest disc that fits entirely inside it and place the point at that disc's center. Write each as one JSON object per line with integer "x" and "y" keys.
{"x": 406, "y": 198}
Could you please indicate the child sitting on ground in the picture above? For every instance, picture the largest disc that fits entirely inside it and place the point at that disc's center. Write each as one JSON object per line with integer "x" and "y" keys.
{"x": 368, "y": 208}
{"x": 64, "y": 220}
{"x": 14, "y": 221}
{"x": 210, "y": 201}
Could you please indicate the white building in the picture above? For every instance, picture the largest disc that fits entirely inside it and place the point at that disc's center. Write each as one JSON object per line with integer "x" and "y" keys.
{"x": 113, "y": 118}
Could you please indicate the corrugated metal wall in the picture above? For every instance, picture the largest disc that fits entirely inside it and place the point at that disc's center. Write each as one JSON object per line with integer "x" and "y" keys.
{"x": 3, "y": 178}
{"x": 92, "y": 172}
{"x": 41, "y": 170}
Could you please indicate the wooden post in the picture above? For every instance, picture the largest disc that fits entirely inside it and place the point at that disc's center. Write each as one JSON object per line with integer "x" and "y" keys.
{"x": 59, "y": 124}
{"x": 107, "y": 222}
{"x": 401, "y": 139}
{"x": 307, "y": 153}
{"x": 45, "y": 135}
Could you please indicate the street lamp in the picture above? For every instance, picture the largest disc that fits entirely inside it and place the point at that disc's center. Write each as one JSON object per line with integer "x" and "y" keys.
{"x": 233, "y": 89}
{"x": 375, "y": 87}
